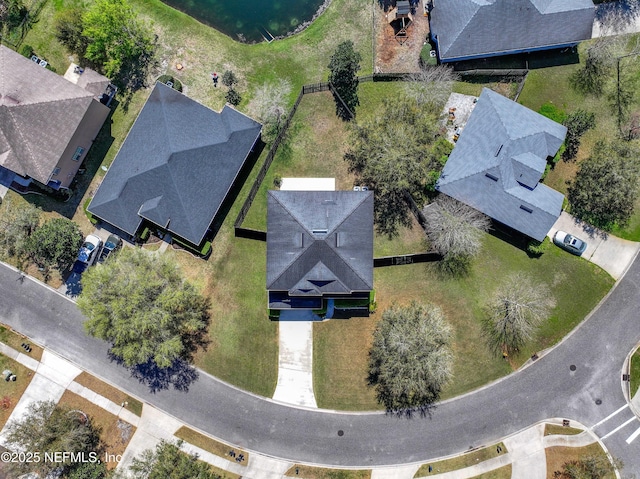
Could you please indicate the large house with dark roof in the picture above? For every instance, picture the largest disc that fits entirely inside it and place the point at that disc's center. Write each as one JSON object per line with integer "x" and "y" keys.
{"x": 176, "y": 167}
{"x": 471, "y": 29}
{"x": 319, "y": 250}
{"x": 47, "y": 123}
{"x": 498, "y": 162}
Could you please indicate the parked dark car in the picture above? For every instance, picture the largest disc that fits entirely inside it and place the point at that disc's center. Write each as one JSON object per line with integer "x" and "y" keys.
{"x": 569, "y": 243}
{"x": 113, "y": 243}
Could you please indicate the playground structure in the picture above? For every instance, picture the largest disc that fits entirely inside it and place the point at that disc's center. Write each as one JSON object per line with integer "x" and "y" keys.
{"x": 401, "y": 18}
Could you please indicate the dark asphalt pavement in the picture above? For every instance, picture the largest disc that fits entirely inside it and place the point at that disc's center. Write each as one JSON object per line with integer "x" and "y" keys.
{"x": 549, "y": 388}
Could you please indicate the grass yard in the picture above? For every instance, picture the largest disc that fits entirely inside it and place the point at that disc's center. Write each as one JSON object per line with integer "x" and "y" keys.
{"x": 211, "y": 445}
{"x": 340, "y": 343}
{"x": 15, "y": 340}
{"x": 634, "y": 386}
{"x": 552, "y": 85}
{"x": 502, "y": 473}
{"x": 556, "y": 429}
{"x": 557, "y": 456}
{"x": 115, "y": 433}
{"x": 468, "y": 459}
{"x": 106, "y": 390}
{"x": 309, "y": 472}
{"x": 11, "y": 391}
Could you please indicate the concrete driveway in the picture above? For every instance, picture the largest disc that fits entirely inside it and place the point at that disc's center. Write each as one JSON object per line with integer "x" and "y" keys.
{"x": 611, "y": 253}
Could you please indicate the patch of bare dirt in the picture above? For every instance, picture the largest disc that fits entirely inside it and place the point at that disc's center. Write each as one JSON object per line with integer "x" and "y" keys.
{"x": 391, "y": 55}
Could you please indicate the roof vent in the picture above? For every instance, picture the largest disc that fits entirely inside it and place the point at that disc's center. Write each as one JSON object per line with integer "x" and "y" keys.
{"x": 526, "y": 208}
{"x": 319, "y": 231}
{"x": 491, "y": 177}
{"x": 499, "y": 150}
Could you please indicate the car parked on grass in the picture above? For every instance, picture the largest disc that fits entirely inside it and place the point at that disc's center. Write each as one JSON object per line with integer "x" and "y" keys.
{"x": 88, "y": 253}
{"x": 113, "y": 243}
{"x": 569, "y": 242}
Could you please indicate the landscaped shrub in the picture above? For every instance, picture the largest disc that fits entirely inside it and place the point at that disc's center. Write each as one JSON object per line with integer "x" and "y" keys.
{"x": 537, "y": 248}
{"x": 26, "y": 50}
{"x": 168, "y": 78}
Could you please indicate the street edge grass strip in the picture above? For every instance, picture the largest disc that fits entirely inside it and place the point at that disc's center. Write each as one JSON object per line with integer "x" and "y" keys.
{"x": 223, "y": 473}
{"x": 11, "y": 338}
{"x": 310, "y": 472}
{"x": 557, "y": 429}
{"x": 106, "y": 421}
{"x": 558, "y": 455}
{"x": 211, "y": 445}
{"x": 106, "y": 390}
{"x": 467, "y": 459}
{"x": 634, "y": 371}
{"x": 503, "y": 472}
{"x": 14, "y": 390}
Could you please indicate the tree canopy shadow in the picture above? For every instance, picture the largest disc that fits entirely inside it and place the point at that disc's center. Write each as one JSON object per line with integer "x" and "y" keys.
{"x": 180, "y": 375}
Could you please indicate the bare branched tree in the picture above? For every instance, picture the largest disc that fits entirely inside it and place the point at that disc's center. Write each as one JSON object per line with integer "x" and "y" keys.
{"x": 411, "y": 359}
{"x": 514, "y": 312}
{"x": 615, "y": 17}
{"x": 431, "y": 86}
{"x": 269, "y": 105}
{"x": 454, "y": 228}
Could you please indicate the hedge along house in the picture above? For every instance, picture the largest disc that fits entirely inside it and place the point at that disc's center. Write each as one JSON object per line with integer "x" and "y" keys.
{"x": 472, "y": 29}
{"x": 47, "y": 123}
{"x": 175, "y": 168}
{"x": 319, "y": 253}
{"x": 498, "y": 162}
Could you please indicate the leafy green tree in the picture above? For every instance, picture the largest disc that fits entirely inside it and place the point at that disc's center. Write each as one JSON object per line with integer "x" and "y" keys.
{"x": 389, "y": 156}
{"x": 229, "y": 79}
{"x": 344, "y": 66}
{"x": 141, "y": 304}
{"x": 514, "y": 312}
{"x": 118, "y": 41}
{"x": 577, "y": 123}
{"x": 168, "y": 462}
{"x": 12, "y": 12}
{"x": 606, "y": 186}
{"x": 410, "y": 360}
{"x": 54, "y": 244}
{"x": 19, "y": 221}
{"x": 68, "y": 27}
{"x": 47, "y": 427}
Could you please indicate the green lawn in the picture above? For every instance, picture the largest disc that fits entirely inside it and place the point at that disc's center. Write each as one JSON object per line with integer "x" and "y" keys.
{"x": 464, "y": 460}
{"x": 341, "y": 347}
{"x": 635, "y": 373}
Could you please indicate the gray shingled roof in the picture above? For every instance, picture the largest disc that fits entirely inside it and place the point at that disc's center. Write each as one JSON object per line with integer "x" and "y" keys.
{"x": 176, "y": 166}
{"x": 498, "y": 161}
{"x": 319, "y": 242}
{"x": 39, "y": 113}
{"x": 468, "y": 29}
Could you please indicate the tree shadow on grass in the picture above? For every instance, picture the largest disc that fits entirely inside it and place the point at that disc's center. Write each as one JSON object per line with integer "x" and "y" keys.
{"x": 180, "y": 375}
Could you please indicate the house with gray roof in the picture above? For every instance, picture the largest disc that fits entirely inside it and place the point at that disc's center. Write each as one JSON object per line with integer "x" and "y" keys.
{"x": 47, "y": 124}
{"x": 176, "y": 167}
{"x": 498, "y": 161}
{"x": 471, "y": 29}
{"x": 319, "y": 250}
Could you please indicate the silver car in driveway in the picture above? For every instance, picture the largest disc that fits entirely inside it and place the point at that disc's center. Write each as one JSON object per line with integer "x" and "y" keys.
{"x": 569, "y": 242}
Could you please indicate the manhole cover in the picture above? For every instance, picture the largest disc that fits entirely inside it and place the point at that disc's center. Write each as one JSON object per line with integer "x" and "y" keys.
{"x": 340, "y": 432}
{"x": 598, "y": 401}
{"x": 572, "y": 367}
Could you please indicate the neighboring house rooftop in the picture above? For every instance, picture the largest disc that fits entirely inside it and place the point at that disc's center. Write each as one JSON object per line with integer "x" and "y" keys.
{"x": 498, "y": 161}
{"x": 176, "y": 166}
{"x": 468, "y": 29}
{"x": 40, "y": 112}
{"x": 319, "y": 242}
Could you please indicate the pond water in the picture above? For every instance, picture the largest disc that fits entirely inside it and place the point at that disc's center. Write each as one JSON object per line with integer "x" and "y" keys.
{"x": 250, "y": 20}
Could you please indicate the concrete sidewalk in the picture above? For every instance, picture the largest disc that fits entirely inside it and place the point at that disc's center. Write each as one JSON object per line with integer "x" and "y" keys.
{"x": 611, "y": 253}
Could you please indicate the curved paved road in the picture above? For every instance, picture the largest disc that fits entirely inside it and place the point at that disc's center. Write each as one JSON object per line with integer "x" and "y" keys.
{"x": 547, "y": 389}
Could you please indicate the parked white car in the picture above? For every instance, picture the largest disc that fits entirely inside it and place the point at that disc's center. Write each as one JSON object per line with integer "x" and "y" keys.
{"x": 89, "y": 251}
